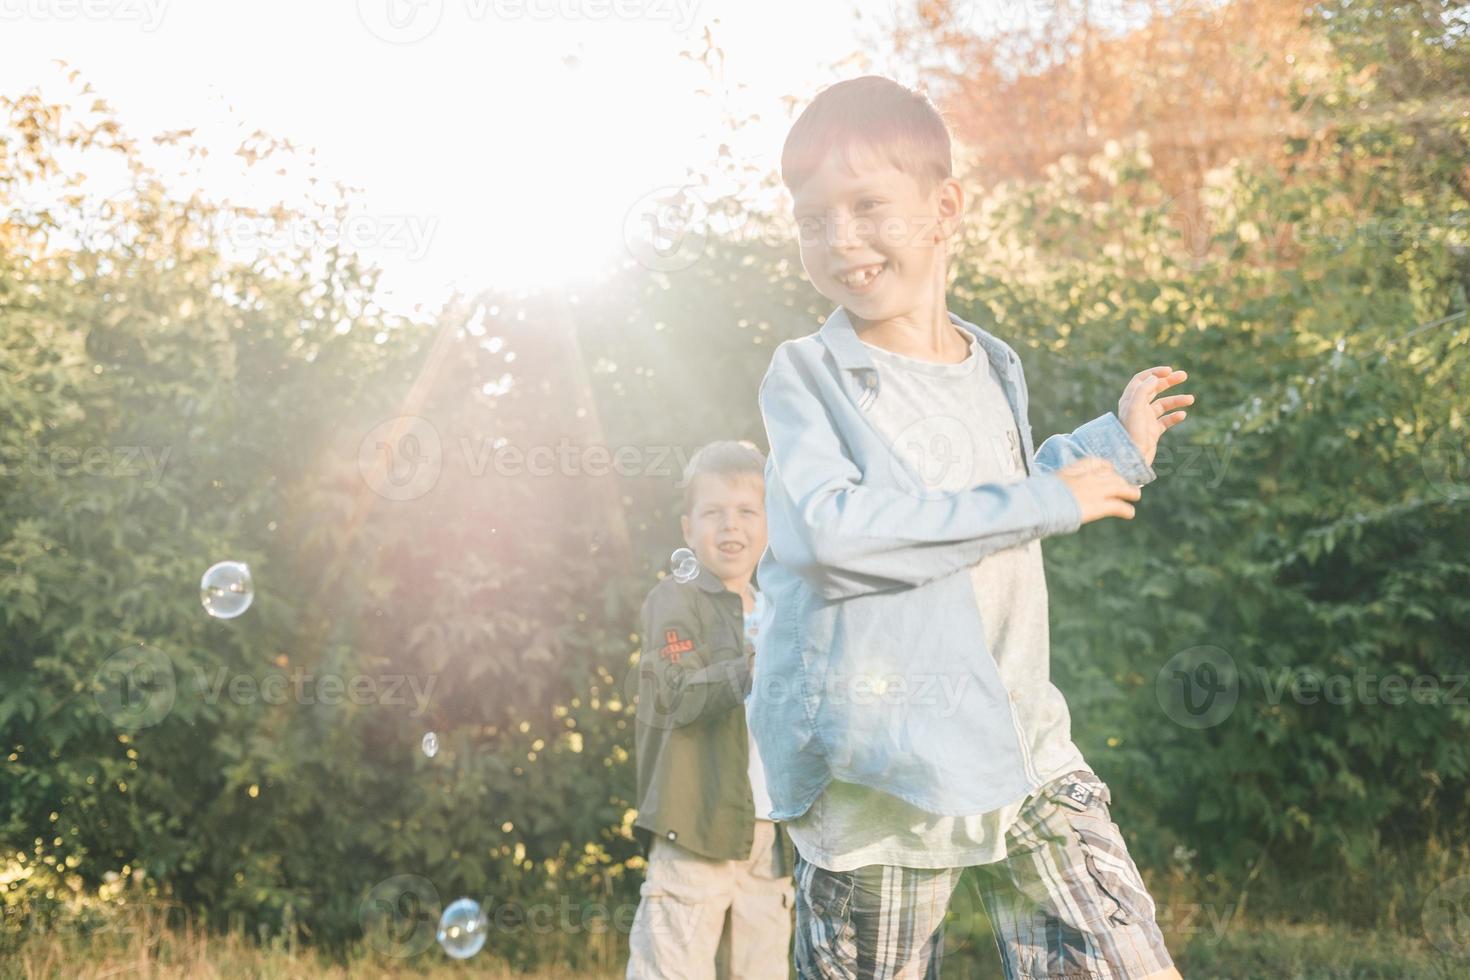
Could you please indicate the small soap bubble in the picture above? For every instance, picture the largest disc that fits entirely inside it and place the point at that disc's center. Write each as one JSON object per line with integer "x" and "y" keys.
{"x": 226, "y": 589}
{"x": 685, "y": 565}
{"x": 463, "y": 928}
{"x": 431, "y": 744}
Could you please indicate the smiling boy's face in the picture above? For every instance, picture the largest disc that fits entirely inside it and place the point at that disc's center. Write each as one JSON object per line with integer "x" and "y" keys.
{"x": 726, "y": 527}
{"x": 873, "y": 242}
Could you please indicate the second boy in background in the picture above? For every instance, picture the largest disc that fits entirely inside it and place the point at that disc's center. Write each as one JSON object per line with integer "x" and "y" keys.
{"x": 703, "y": 810}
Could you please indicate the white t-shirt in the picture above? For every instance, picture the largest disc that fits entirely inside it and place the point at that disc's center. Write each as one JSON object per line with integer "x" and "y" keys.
{"x": 757, "y": 770}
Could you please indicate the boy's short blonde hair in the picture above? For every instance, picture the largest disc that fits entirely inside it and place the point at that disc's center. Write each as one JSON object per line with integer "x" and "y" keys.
{"x": 729, "y": 458}
{"x": 873, "y": 113}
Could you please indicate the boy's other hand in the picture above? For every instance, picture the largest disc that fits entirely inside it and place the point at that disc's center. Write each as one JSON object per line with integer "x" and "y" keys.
{"x": 1099, "y": 489}
{"x": 1146, "y": 419}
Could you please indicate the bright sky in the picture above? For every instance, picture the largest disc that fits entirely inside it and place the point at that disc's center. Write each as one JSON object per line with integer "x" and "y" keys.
{"x": 497, "y": 142}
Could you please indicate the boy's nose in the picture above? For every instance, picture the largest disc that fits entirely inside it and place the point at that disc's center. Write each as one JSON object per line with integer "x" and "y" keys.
{"x": 846, "y": 233}
{"x": 838, "y": 230}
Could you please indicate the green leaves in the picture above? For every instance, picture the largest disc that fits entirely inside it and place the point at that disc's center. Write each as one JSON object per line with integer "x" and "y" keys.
{"x": 1310, "y": 522}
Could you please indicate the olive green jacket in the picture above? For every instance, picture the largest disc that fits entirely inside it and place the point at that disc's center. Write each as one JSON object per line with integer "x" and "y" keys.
{"x": 693, "y": 753}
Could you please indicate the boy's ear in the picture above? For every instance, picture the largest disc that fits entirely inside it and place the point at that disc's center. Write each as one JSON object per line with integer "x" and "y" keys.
{"x": 950, "y": 205}
{"x": 684, "y": 527}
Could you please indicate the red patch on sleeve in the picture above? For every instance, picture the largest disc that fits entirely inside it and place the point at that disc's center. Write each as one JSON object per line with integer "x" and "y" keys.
{"x": 673, "y": 646}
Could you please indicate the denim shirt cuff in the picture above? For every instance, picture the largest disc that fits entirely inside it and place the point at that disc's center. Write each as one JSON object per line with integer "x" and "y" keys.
{"x": 1105, "y": 436}
{"x": 1059, "y": 510}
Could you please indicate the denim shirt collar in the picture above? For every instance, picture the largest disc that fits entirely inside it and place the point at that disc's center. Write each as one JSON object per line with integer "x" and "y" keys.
{"x": 859, "y": 375}
{"x": 851, "y": 354}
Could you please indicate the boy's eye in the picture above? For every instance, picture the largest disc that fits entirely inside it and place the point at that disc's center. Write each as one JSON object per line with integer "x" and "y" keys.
{"x": 867, "y": 201}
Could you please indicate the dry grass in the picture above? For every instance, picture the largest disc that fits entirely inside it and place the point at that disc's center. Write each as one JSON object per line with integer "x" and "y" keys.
{"x": 139, "y": 943}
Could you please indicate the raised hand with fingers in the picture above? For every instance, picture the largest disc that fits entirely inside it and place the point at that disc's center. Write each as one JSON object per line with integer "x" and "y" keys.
{"x": 1146, "y": 419}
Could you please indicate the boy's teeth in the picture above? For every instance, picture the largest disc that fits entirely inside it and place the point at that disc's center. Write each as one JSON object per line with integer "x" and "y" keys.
{"x": 863, "y": 276}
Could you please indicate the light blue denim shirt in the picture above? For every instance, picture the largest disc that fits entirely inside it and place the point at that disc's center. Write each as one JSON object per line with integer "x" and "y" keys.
{"x": 873, "y": 664}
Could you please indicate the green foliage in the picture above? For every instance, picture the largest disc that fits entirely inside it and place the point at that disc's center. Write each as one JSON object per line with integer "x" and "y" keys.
{"x": 1309, "y": 520}
{"x": 170, "y": 404}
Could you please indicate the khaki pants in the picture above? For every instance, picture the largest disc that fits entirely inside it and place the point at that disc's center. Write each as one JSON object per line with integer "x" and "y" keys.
{"x": 685, "y": 901}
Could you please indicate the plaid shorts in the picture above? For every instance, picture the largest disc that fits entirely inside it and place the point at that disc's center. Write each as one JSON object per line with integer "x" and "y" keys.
{"x": 1067, "y": 901}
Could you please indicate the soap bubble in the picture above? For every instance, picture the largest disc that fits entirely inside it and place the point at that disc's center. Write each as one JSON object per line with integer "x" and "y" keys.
{"x": 226, "y": 589}
{"x": 463, "y": 928}
{"x": 431, "y": 744}
{"x": 686, "y": 566}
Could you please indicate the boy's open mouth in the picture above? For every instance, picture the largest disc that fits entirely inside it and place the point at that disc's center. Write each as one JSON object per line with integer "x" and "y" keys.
{"x": 732, "y": 548}
{"x": 862, "y": 279}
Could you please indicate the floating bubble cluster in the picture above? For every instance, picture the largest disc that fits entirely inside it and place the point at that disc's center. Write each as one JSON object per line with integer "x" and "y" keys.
{"x": 685, "y": 565}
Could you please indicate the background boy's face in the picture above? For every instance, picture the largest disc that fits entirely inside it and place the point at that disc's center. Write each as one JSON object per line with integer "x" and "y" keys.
{"x": 880, "y": 219}
{"x": 726, "y": 527}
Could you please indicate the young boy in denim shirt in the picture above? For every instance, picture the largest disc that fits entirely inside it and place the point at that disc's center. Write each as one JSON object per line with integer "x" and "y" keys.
{"x": 916, "y": 731}
{"x": 703, "y": 811}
